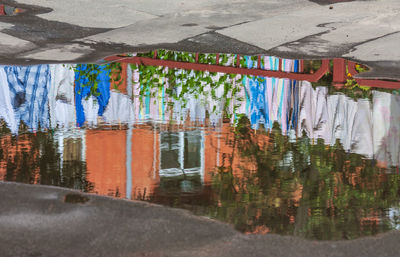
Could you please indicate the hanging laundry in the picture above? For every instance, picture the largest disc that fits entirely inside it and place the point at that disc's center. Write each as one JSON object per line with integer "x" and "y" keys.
{"x": 91, "y": 111}
{"x": 271, "y": 63}
{"x": 258, "y": 112}
{"x": 6, "y": 108}
{"x": 321, "y": 125}
{"x": 135, "y": 92}
{"x": 83, "y": 90}
{"x": 306, "y": 110}
{"x": 61, "y": 96}
{"x": 394, "y": 131}
{"x": 293, "y": 105}
{"x": 29, "y": 87}
{"x": 250, "y": 63}
{"x": 271, "y": 99}
{"x": 343, "y": 117}
{"x": 386, "y": 129}
{"x": 313, "y": 113}
{"x": 362, "y": 133}
{"x": 381, "y": 115}
{"x": 119, "y": 109}
{"x": 239, "y": 100}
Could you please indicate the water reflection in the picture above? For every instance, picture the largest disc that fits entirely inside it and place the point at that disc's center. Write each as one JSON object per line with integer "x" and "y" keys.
{"x": 265, "y": 154}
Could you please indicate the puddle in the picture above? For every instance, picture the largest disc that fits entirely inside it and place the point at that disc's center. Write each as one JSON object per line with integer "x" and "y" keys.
{"x": 270, "y": 145}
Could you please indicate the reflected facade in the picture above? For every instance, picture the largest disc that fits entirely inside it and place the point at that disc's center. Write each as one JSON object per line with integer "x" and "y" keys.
{"x": 269, "y": 155}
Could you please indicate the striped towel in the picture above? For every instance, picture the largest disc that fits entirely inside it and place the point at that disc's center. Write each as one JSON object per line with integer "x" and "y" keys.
{"x": 29, "y": 86}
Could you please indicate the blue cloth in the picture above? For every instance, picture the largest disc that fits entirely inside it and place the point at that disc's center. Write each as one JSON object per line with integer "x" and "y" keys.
{"x": 256, "y": 95}
{"x": 250, "y": 63}
{"x": 259, "y": 112}
{"x": 295, "y": 103}
{"x": 294, "y": 99}
{"x": 29, "y": 87}
{"x": 83, "y": 88}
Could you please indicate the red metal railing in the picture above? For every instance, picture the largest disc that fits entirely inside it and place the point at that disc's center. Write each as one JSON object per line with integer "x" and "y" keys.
{"x": 339, "y": 70}
{"x": 224, "y": 69}
{"x": 372, "y": 82}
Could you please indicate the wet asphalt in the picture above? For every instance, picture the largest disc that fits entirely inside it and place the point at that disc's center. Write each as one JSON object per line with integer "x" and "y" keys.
{"x": 49, "y": 221}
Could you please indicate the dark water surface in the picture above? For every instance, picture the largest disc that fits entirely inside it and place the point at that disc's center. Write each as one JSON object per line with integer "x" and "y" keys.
{"x": 267, "y": 155}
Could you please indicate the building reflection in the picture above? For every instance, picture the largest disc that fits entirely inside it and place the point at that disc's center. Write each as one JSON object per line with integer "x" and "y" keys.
{"x": 281, "y": 156}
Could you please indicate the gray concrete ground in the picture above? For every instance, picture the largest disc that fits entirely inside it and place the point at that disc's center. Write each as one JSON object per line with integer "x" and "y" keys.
{"x": 85, "y": 31}
{"x": 48, "y": 221}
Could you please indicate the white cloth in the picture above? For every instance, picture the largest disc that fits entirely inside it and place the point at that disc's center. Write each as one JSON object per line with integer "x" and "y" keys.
{"x": 91, "y": 109}
{"x": 306, "y": 110}
{"x": 119, "y": 109}
{"x": 341, "y": 113}
{"x": 361, "y": 132}
{"x": 387, "y": 131}
{"x": 381, "y": 114}
{"x": 321, "y": 124}
{"x": 6, "y": 108}
{"x": 336, "y": 117}
{"x": 61, "y": 96}
{"x": 314, "y": 117}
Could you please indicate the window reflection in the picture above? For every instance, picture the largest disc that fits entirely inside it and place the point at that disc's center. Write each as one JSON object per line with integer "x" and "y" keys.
{"x": 181, "y": 153}
{"x": 181, "y": 161}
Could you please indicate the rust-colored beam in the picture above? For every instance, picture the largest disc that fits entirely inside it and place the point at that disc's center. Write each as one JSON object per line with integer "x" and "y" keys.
{"x": 371, "y": 82}
{"x": 226, "y": 69}
{"x": 114, "y": 58}
{"x": 378, "y": 83}
{"x": 339, "y": 71}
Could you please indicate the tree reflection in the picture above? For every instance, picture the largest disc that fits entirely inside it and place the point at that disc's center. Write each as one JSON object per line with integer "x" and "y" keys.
{"x": 311, "y": 190}
{"x": 33, "y": 158}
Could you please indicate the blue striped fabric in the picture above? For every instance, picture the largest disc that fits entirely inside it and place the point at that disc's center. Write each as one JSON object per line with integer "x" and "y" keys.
{"x": 258, "y": 103}
{"x": 29, "y": 86}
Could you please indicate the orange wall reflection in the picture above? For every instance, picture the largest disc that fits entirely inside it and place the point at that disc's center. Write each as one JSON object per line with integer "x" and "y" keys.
{"x": 145, "y": 162}
{"x": 106, "y": 157}
{"x": 106, "y": 161}
{"x": 20, "y": 154}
